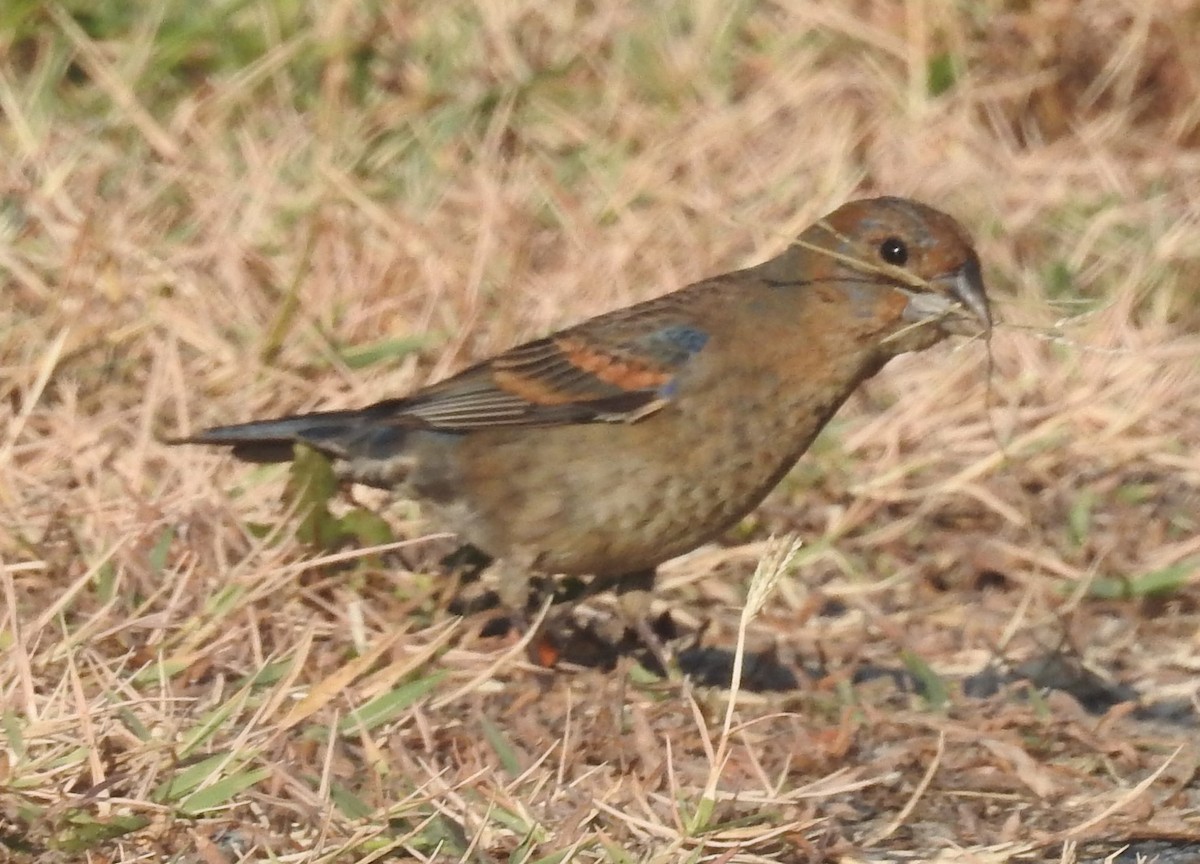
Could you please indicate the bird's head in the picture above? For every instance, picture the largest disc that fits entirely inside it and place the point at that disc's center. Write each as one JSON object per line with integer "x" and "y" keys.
{"x": 910, "y": 268}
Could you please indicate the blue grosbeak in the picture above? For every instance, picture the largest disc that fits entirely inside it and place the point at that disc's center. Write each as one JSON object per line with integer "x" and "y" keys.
{"x": 635, "y": 436}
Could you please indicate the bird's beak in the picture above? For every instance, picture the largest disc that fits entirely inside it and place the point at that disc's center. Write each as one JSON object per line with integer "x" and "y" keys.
{"x": 959, "y": 300}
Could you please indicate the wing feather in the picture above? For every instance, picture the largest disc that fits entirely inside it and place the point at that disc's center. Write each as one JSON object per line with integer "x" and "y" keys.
{"x": 618, "y": 367}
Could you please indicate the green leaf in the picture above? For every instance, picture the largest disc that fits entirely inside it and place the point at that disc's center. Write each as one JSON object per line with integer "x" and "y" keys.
{"x": 160, "y": 550}
{"x": 134, "y": 724}
{"x": 1168, "y": 580}
{"x": 389, "y": 706}
{"x": 351, "y": 806}
{"x": 557, "y": 857}
{"x": 12, "y": 726}
{"x": 504, "y": 750}
{"x": 191, "y": 776}
{"x": 941, "y": 73}
{"x": 211, "y": 724}
{"x": 83, "y": 831}
{"x": 222, "y": 791}
{"x": 702, "y": 816}
{"x": 267, "y": 675}
{"x": 1156, "y": 583}
{"x": 443, "y": 834}
{"x": 224, "y": 600}
{"x": 933, "y": 689}
{"x": 311, "y": 484}
{"x": 1079, "y": 517}
{"x": 160, "y": 670}
{"x": 368, "y": 528}
{"x": 387, "y": 350}
{"x": 106, "y": 581}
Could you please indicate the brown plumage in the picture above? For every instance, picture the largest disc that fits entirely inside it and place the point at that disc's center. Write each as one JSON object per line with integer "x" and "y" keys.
{"x": 635, "y": 436}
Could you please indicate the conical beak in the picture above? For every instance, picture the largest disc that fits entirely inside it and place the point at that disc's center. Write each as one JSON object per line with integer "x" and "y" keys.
{"x": 966, "y": 286}
{"x": 958, "y": 300}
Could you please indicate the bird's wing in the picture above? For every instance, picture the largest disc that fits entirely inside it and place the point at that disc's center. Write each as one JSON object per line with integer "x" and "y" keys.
{"x": 618, "y": 367}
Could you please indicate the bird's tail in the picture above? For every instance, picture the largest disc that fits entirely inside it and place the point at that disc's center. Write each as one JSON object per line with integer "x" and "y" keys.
{"x": 356, "y": 434}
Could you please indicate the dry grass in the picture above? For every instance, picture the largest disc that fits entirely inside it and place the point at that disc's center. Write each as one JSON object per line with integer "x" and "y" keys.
{"x": 206, "y": 219}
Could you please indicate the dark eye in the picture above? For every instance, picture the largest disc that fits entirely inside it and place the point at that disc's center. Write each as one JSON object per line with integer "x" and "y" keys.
{"x": 893, "y": 251}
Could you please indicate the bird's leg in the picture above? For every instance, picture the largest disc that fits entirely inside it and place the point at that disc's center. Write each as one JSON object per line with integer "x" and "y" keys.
{"x": 514, "y": 587}
{"x": 633, "y": 592}
{"x": 467, "y": 560}
{"x": 464, "y": 567}
{"x": 513, "y": 579}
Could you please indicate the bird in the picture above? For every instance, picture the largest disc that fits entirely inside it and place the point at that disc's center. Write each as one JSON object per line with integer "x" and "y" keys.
{"x": 608, "y": 447}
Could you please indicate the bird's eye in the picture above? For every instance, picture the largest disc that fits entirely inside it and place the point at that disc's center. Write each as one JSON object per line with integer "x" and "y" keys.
{"x": 893, "y": 251}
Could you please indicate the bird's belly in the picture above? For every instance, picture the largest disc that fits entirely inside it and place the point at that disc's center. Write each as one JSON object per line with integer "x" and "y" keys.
{"x": 606, "y": 499}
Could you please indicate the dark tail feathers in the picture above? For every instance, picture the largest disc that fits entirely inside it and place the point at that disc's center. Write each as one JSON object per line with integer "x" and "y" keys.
{"x": 375, "y": 431}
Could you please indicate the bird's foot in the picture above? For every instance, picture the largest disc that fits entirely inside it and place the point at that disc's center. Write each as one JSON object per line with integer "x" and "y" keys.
{"x": 633, "y": 592}
{"x": 659, "y": 650}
